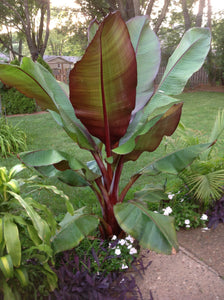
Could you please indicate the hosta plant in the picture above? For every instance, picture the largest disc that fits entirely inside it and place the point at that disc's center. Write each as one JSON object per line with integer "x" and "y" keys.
{"x": 108, "y": 112}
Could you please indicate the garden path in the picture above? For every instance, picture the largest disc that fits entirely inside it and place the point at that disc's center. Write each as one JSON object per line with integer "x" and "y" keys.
{"x": 196, "y": 272}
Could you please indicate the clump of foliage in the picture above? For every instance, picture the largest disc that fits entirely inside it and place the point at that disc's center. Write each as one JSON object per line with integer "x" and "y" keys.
{"x": 13, "y": 102}
{"x": 205, "y": 176}
{"x": 12, "y": 138}
{"x": 25, "y": 230}
{"x": 181, "y": 205}
{"x": 29, "y": 235}
{"x": 97, "y": 269}
{"x": 110, "y": 114}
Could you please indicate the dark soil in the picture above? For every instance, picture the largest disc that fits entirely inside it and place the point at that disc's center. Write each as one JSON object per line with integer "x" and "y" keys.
{"x": 207, "y": 246}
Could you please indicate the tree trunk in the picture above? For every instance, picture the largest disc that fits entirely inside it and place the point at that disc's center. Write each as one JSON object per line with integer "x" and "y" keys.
{"x": 149, "y": 8}
{"x": 200, "y": 13}
{"x": 162, "y": 15}
{"x": 187, "y": 19}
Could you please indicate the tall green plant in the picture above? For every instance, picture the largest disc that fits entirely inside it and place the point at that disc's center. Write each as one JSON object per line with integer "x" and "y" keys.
{"x": 112, "y": 98}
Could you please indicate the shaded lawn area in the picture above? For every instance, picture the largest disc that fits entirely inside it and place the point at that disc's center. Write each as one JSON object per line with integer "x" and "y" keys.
{"x": 199, "y": 112}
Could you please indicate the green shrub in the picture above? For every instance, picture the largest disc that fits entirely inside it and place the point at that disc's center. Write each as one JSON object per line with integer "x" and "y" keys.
{"x": 44, "y": 64}
{"x": 12, "y": 139}
{"x": 13, "y": 102}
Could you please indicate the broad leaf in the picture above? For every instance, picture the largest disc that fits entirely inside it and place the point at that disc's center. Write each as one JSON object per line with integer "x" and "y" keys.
{"x": 152, "y": 230}
{"x": 39, "y": 224}
{"x": 152, "y": 134}
{"x": 151, "y": 194}
{"x": 12, "y": 241}
{"x": 73, "y": 230}
{"x": 33, "y": 80}
{"x": 188, "y": 57}
{"x": 175, "y": 162}
{"x": 22, "y": 275}
{"x": 6, "y": 266}
{"x": 92, "y": 29}
{"x": 59, "y": 160}
{"x": 147, "y": 49}
{"x": 103, "y": 83}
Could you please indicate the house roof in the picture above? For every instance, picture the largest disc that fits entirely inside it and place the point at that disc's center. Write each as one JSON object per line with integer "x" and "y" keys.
{"x": 69, "y": 59}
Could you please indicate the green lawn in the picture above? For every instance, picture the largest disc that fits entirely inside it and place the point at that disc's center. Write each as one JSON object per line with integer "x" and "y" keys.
{"x": 199, "y": 112}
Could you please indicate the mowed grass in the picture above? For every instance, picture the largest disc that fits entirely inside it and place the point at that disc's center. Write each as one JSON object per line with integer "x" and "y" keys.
{"x": 199, "y": 112}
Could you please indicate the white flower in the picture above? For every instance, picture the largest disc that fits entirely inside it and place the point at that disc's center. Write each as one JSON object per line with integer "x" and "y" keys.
{"x": 204, "y": 217}
{"x": 129, "y": 238}
{"x": 188, "y": 226}
{"x": 155, "y": 211}
{"x": 122, "y": 242}
{"x": 117, "y": 251}
{"x": 114, "y": 237}
{"x": 133, "y": 251}
{"x": 181, "y": 200}
{"x": 170, "y": 196}
{"x": 129, "y": 246}
{"x": 124, "y": 267}
{"x": 167, "y": 211}
{"x": 187, "y": 222}
{"x": 205, "y": 229}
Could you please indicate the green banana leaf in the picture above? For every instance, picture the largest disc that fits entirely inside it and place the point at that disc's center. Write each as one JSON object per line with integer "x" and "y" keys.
{"x": 60, "y": 160}
{"x": 146, "y": 46}
{"x": 152, "y": 230}
{"x": 186, "y": 60}
{"x": 73, "y": 230}
{"x": 150, "y": 193}
{"x": 175, "y": 162}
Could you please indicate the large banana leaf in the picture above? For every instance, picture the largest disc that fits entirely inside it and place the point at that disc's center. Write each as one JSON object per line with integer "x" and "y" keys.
{"x": 33, "y": 80}
{"x": 73, "y": 230}
{"x": 186, "y": 60}
{"x": 188, "y": 57}
{"x": 175, "y": 162}
{"x": 151, "y": 136}
{"x": 152, "y": 230}
{"x": 147, "y": 49}
{"x": 103, "y": 83}
{"x": 51, "y": 162}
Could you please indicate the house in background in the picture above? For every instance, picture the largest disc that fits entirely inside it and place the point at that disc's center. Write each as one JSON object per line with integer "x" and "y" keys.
{"x": 61, "y": 65}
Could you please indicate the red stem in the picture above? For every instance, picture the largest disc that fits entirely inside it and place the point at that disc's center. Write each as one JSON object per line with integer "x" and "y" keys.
{"x": 128, "y": 186}
{"x": 114, "y": 189}
{"x": 102, "y": 168}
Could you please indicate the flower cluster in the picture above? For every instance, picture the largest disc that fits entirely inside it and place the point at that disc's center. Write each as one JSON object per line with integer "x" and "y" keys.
{"x": 124, "y": 250}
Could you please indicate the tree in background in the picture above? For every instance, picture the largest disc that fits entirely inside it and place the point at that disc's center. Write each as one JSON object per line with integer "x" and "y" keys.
{"x": 30, "y": 18}
{"x": 68, "y": 37}
{"x": 128, "y": 9}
